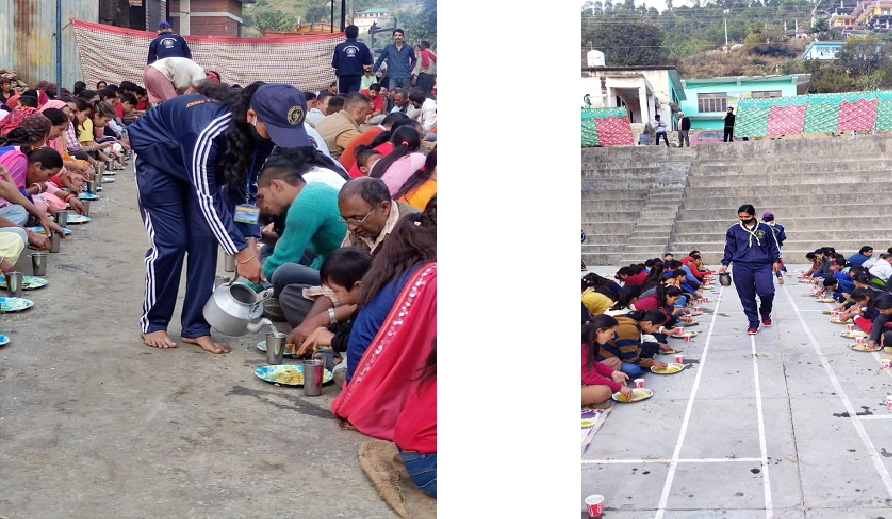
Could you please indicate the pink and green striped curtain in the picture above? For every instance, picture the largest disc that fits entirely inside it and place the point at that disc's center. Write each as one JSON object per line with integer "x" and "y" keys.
{"x": 815, "y": 113}
{"x": 606, "y": 127}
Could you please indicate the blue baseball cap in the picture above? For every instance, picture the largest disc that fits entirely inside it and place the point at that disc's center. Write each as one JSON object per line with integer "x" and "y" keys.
{"x": 283, "y": 109}
{"x": 164, "y": 24}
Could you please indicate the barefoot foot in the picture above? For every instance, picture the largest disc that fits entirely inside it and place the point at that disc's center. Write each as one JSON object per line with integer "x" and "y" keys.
{"x": 207, "y": 343}
{"x": 159, "y": 339}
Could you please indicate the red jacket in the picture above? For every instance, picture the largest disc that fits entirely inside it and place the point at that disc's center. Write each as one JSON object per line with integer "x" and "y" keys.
{"x": 600, "y": 373}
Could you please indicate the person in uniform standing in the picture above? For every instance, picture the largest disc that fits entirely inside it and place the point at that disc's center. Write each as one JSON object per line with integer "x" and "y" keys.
{"x": 752, "y": 247}
{"x": 194, "y": 156}
{"x": 348, "y": 60}
{"x": 168, "y": 44}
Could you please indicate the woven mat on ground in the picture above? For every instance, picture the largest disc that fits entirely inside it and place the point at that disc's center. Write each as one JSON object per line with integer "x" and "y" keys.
{"x": 593, "y": 417}
{"x": 382, "y": 463}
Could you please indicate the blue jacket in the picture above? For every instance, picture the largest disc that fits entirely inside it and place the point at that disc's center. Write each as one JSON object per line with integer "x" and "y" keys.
{"x": 168, "y": 45}
{"x": 349, "y": 57}
{"x": 742, "y": 247}
{"x": 185, "y": 137}
{"x": 399, "y": 62}
{"x": 779, "y": 233}
{"x": 857, "y": 259}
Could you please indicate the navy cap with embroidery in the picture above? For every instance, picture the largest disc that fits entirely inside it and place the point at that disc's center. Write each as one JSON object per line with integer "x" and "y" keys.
{"x": 164, "y": 24}
{"x": 283, "y": 109}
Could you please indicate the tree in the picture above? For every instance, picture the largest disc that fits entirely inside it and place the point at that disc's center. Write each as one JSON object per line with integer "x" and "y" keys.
{"x": 271, "y": 19}
{"x": 628, "y": 40}
{"x": 608, "y": 6}
{"x": 862, "y": 54}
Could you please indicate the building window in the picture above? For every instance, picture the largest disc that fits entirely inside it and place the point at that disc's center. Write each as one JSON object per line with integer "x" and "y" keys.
{"x": 766, "y": 93}
{"x": 711, "y": 103}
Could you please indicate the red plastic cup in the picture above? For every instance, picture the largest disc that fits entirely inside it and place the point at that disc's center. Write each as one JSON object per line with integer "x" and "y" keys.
{"x": 595, "y": 504}
{"x": 639, "y": 383}
{"x": 834, "y": 314}
{"x": 851, "y": 327}
{"x": 679, "y": 330}
{"x": 696, "y": 308}
{"x": 679, "y": 358}
{"x": 705, "y": 299}
{"x": 889, "y": 401}
{"x": 886, "y": 363}
{"x": 859, "y": 340}
{"x": 687, "y": 338}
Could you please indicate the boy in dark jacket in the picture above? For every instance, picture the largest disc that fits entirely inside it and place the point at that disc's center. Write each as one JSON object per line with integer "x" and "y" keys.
{"x": 342, "y": 272}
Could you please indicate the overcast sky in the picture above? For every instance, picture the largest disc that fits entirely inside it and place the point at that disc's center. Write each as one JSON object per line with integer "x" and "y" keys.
{"x": 659, "y": 4}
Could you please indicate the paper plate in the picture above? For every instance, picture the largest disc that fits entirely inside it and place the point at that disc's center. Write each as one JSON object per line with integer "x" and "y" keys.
{"x": 854, "y": 334}
{"x": 696, "y": 313}
{"x": 39, "y": 228}
{"x": 78, "y": 218}
{"x": 87, "y": 196}
{"x": 825, "y": 312}
{"x": 863, "y": 347}
{"x": 15, "y": 304}
{"x": 288, "y": 352}
{"x": 804, "y": 280}
{"x": 686, "y": 333}
{"x": 826, "y": 300}
{"x": 107, "y": 180}
{"x": 637, "y": 395}
{"x": 837, "y": 321}
{"x": 673, "y": 367}
{"x": 28, "y": 282}
{"x": 692, "y": 323}
{"x": 287, "y": 375}
{"x": 670, "y": 351}
{"x": 4, "y": 340}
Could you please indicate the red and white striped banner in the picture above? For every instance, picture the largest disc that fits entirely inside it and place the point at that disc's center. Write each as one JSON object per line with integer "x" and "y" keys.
{"x": 114, "y": 54}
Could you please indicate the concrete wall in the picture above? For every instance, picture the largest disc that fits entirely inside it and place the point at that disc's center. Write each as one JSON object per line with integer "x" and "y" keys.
{"x": 28, "y": 39}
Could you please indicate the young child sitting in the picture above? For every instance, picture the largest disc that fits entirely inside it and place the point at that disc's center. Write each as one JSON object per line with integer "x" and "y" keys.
{"x": 342, "y": 271}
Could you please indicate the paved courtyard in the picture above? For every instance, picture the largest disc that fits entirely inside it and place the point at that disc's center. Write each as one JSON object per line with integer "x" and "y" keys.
{"x": 93, "y": 424}
{"x": 790, "y": 423}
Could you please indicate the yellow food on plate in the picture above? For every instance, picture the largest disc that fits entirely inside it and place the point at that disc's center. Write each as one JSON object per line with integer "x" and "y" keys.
{"x": 671, "y": 368}
{"x": 289, "y": 376}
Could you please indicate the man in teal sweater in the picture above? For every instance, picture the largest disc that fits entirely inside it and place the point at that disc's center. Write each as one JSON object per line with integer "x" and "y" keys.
{"x": 312, "y": 223}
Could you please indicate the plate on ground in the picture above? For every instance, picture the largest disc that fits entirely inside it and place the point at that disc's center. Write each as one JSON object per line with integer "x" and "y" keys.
{"x": 686, "y": 334}
{"x": 78, "y": 218}
{"x": 804, "y": 280}
{"x": 638, "y": 394}
{"x": 837, "y": 321}
{"x": 691, "y": 323}
{"x": 286, "y": 375}
{"x": 696, "y": 313}
{"x": 107, "y": 180}
{"x": 39, "y": 228}
{"x": 4, "y": 340}
{"x": 863, "y": 347}
{"x": 670, "y": 351}
{"x": 673, "y": 367}
{"x": 15, "y": 304}
{"x": 28, "y": 282}
{"x": 86, "y": 196}
{"x": 289, "y": 348}
{"x": 825, "y": 312}
{"x": 854, "y": 334}
{"x": 826, "y": 300}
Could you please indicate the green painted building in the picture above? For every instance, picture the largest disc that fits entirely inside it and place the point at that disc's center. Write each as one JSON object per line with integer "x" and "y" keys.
{"x": 707, "y": 100}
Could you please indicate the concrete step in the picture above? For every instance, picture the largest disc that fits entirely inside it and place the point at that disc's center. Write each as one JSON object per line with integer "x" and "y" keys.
{"x": 856, "y": 195}
{"x": 606, "y": 239}
{"x": 596, "y": 227}
{"x": 784, "y": 168}
{"x": 601, "y": 259}
{"x": 610, "y": 248}
{"x": 793, "y": 225}
{"x": 594, "y": 213}
{"x": 786, "y": 211}
{"x": 785, "y": 180}
{"x": 614, "y": 194}
{"x": 634, "y": 241}
{"x": 841, "y": 189}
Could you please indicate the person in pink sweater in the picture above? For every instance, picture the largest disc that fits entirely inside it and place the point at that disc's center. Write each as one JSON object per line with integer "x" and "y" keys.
{"x": 600, "y": 379}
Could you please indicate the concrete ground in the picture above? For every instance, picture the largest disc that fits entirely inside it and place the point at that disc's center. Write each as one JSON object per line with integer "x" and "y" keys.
{"x": 95, "y": 424}
{"x": 788, "y": 424}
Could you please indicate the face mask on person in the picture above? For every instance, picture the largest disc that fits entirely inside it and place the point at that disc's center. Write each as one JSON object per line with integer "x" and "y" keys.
{"x": 748, "y": 222}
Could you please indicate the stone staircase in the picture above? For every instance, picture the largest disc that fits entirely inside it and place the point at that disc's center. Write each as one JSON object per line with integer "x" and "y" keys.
{"x": 826, "y": 192}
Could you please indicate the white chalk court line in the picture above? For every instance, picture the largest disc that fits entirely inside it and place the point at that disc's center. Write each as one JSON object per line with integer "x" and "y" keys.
{"x": 763, "y": 447}
{"x": 669, "y": 460}
{"x": 856, "y": 419}
{"x": 875, "y": 416}
{"x": 673, "y": 465}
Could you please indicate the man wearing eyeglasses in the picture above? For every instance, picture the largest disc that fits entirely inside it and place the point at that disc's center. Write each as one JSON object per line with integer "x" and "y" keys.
{"x": 369, "y": 212}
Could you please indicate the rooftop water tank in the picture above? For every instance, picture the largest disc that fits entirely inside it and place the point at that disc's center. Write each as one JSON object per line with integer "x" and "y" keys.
{"x": 595, "y": 58}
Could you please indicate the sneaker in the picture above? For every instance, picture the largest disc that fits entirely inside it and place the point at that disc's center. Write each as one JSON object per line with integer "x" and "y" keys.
{"x": 752, "y": 330}
{"x": 766, "y": 320}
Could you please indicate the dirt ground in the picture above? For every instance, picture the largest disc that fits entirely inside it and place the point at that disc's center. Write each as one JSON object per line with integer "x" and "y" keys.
{"x": 95, "y": 424}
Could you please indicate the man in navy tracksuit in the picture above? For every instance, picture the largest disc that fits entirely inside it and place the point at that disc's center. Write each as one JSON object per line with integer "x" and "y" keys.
{"x": 168, "y": 44}
{"x": 752, "y": 247}
{"x": 780, "y": 235}
{"x": 348, "y": 59}
{"x": 187, "y": 206}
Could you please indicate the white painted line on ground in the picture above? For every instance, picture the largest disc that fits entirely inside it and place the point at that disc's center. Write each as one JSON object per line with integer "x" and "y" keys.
{"x": 875, "y": 416}
{"x": 763, "y": 447}
{"x": 667, "y": 487}
{"x": 856, "y": 419}
{"x": 669, "y": 460}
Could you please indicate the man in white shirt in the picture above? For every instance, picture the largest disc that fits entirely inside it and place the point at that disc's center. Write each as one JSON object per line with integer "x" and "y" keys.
{"x": 882, "y": 268}
{"x": 661, "y": 128}
{"x": 428, "y": 109}
{"x": 169, "y": 77}
{"x": 317, "y": 112}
